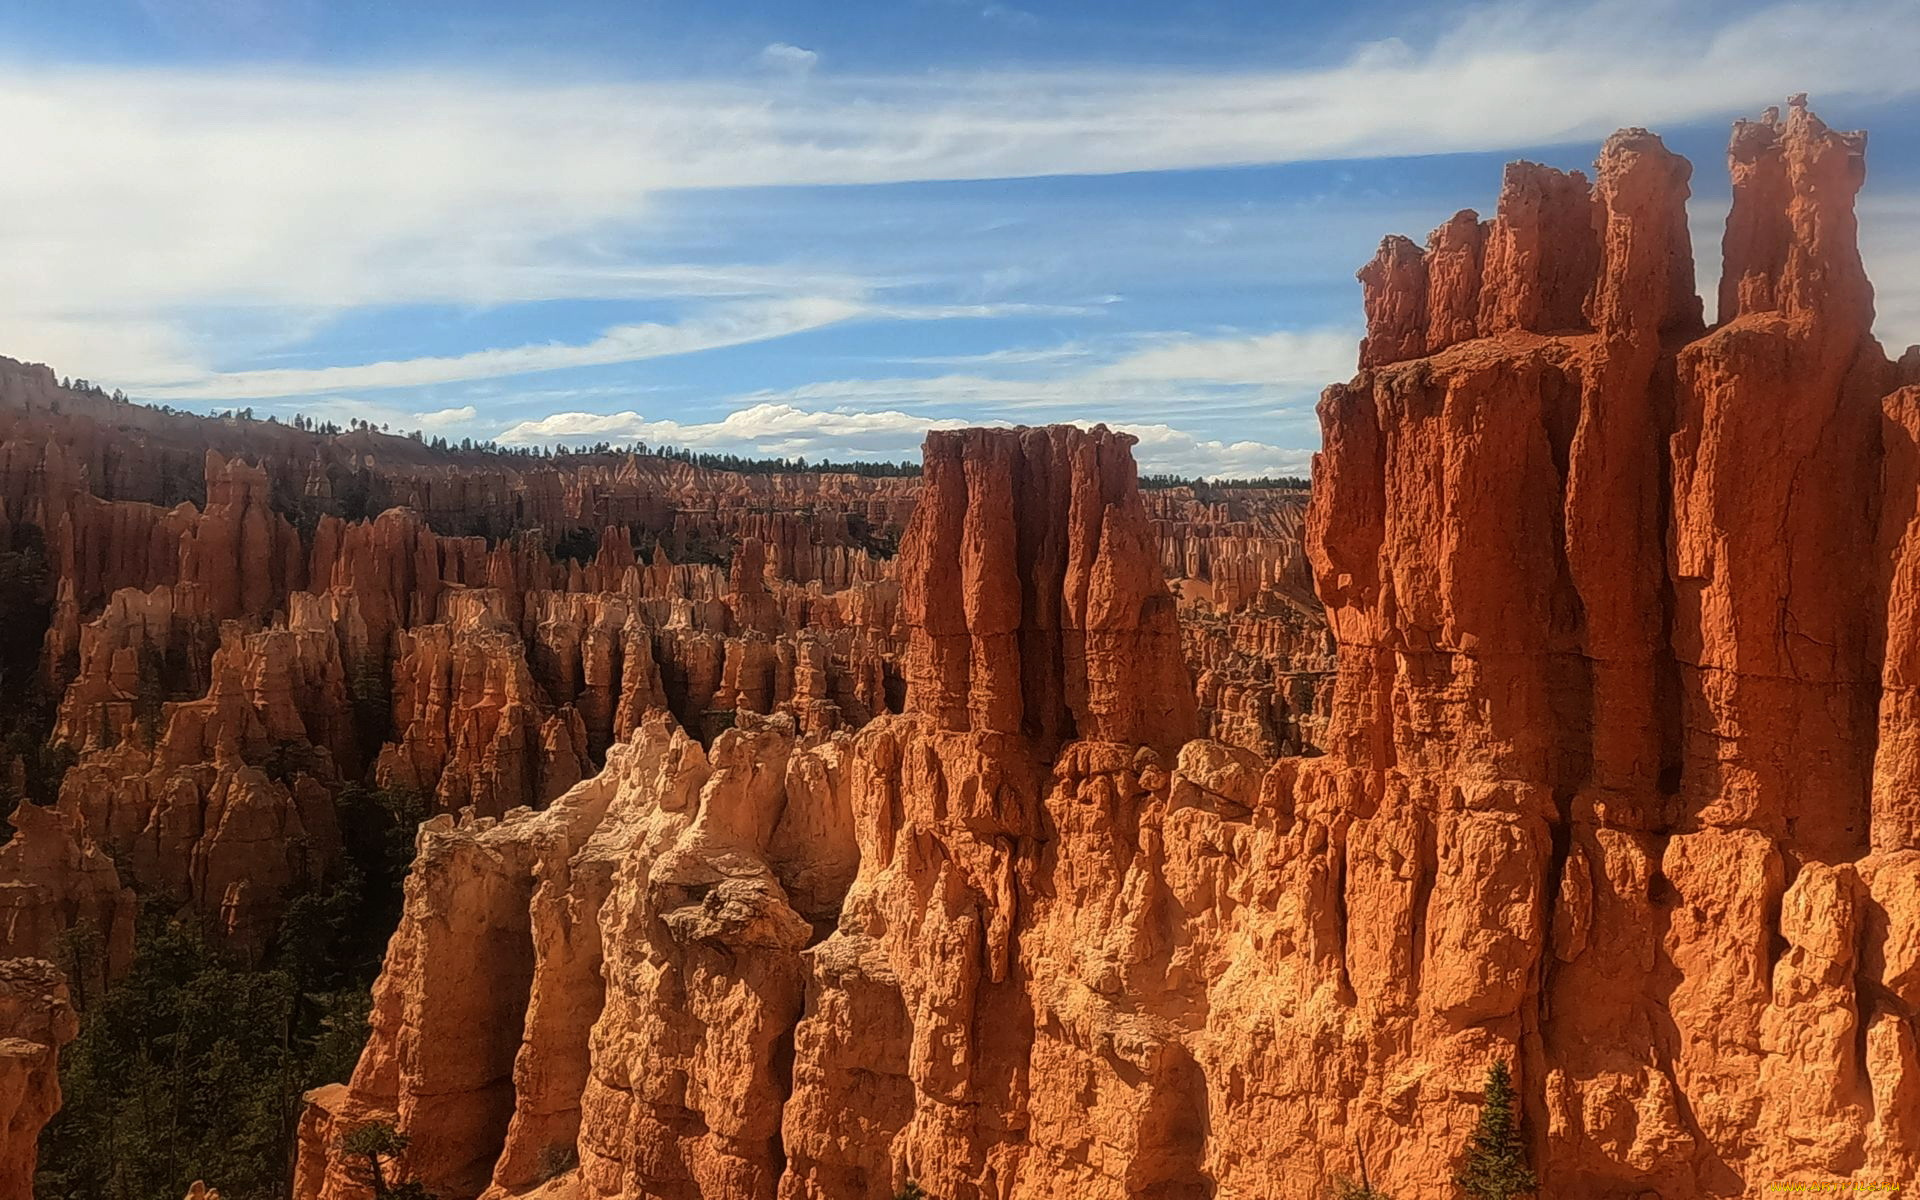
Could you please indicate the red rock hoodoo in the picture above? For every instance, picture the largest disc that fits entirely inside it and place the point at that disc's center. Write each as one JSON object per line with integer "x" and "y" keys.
{"x": 1610, "y": 593}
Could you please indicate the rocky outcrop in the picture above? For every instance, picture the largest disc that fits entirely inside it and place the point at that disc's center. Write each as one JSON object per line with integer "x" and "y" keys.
{"x": 1033, "y": 597}
{"x": 607, "y": 982}
{"x": 1631, "y": 691}
{"x": 63, "y": 899}
{"x": 217, "y": 702}
{"x": 223, "y": 804}
{"x": 36, "y": 1020}
{"x": 1015, "y": 1001}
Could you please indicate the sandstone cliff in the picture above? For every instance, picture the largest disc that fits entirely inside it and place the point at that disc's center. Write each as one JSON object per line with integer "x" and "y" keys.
{"x": 1617, "y": 789}
{"x": 1609, "y": 592}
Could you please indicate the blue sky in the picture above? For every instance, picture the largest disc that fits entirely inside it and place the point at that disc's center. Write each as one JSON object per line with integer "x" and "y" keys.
{"x": 822, "y": 228}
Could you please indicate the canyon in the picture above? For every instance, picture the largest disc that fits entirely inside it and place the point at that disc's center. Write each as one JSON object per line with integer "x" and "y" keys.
{"x": 231, "y": 622}
{"x": 1015, "y": 831}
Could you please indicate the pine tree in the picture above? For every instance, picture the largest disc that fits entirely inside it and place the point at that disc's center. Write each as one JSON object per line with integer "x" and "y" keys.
{"x": 1494, "y": 1164}
{"x": 377, "y": 1144}
{"x": 150, "y": 699}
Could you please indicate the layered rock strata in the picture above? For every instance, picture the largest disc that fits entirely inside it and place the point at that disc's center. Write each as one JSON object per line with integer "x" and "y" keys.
{"x": 1616, "y": 790}
{"x": 1610, "y": 592}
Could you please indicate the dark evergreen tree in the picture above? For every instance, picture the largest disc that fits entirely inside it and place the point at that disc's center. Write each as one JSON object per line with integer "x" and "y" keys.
{"x": 1494, "y": 1164}
{"x": 372, "y": 705}
{"x": 376, "y": 1146}
{"x": 149, "y": 698}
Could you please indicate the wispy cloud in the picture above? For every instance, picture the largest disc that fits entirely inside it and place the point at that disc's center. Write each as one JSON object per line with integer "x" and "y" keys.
{"x": 626, "y": 343}
{"x": 427, "y": 186}
{"x": 1286, "y": 358}
{"x": 1249, "y": 372}
{"x": 796, "y": 60}
{"x": 777, "y": 429}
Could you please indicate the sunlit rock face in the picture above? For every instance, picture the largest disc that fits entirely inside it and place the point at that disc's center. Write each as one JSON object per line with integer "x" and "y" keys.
{"x": 1620, "y": 611}
{"x": 1616, "y": 789}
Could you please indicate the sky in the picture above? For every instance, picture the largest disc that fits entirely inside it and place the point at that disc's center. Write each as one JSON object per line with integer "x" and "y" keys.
{"x": 822, "y": 227}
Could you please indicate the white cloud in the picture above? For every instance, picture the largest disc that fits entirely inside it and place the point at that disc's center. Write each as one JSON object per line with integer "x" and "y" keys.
{"x": 1163, "y": 449}
{"x": 1250, "y": 372}
{"x": 1286, "y": 357}
{"x": 781, "y": 430}
{"x": 114, "y": 350}
{"x": 446, "y": 417}
{"x": 788, "y": 431}
{"x": 1006, "y": 357}
{"x": 1256, "y": 375}
{"x": 797, "y": 60}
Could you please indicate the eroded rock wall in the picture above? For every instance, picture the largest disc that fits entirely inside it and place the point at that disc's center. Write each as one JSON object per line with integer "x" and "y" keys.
{"x": 1615, "y": 790}
{"x": 1636, "y": 682}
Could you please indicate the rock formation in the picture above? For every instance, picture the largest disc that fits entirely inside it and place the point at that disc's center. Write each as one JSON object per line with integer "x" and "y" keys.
{"x": 63, "y": 900}
{"x": 238, "y": 630}
{"x": 1616, "y": 789}
{"x": 36, "y": 1020}
{"x": 654, "y": 938}
{"x": 606, "y": 981}
{"x": 1610, "y": 593}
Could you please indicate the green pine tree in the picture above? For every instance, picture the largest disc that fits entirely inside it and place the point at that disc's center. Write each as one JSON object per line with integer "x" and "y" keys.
{"x": 376, "y": 1146}
{"x": 1494, "y": 1164}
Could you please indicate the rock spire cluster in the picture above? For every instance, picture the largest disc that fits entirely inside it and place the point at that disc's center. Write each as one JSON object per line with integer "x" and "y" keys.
{"x": 245, "y": 618}
{"x": 1616, "y": 790}
{"x": 1053, "y": 856}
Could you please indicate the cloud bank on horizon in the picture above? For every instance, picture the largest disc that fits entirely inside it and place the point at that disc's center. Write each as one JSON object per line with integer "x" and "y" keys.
{"x": 827, "y": 237}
